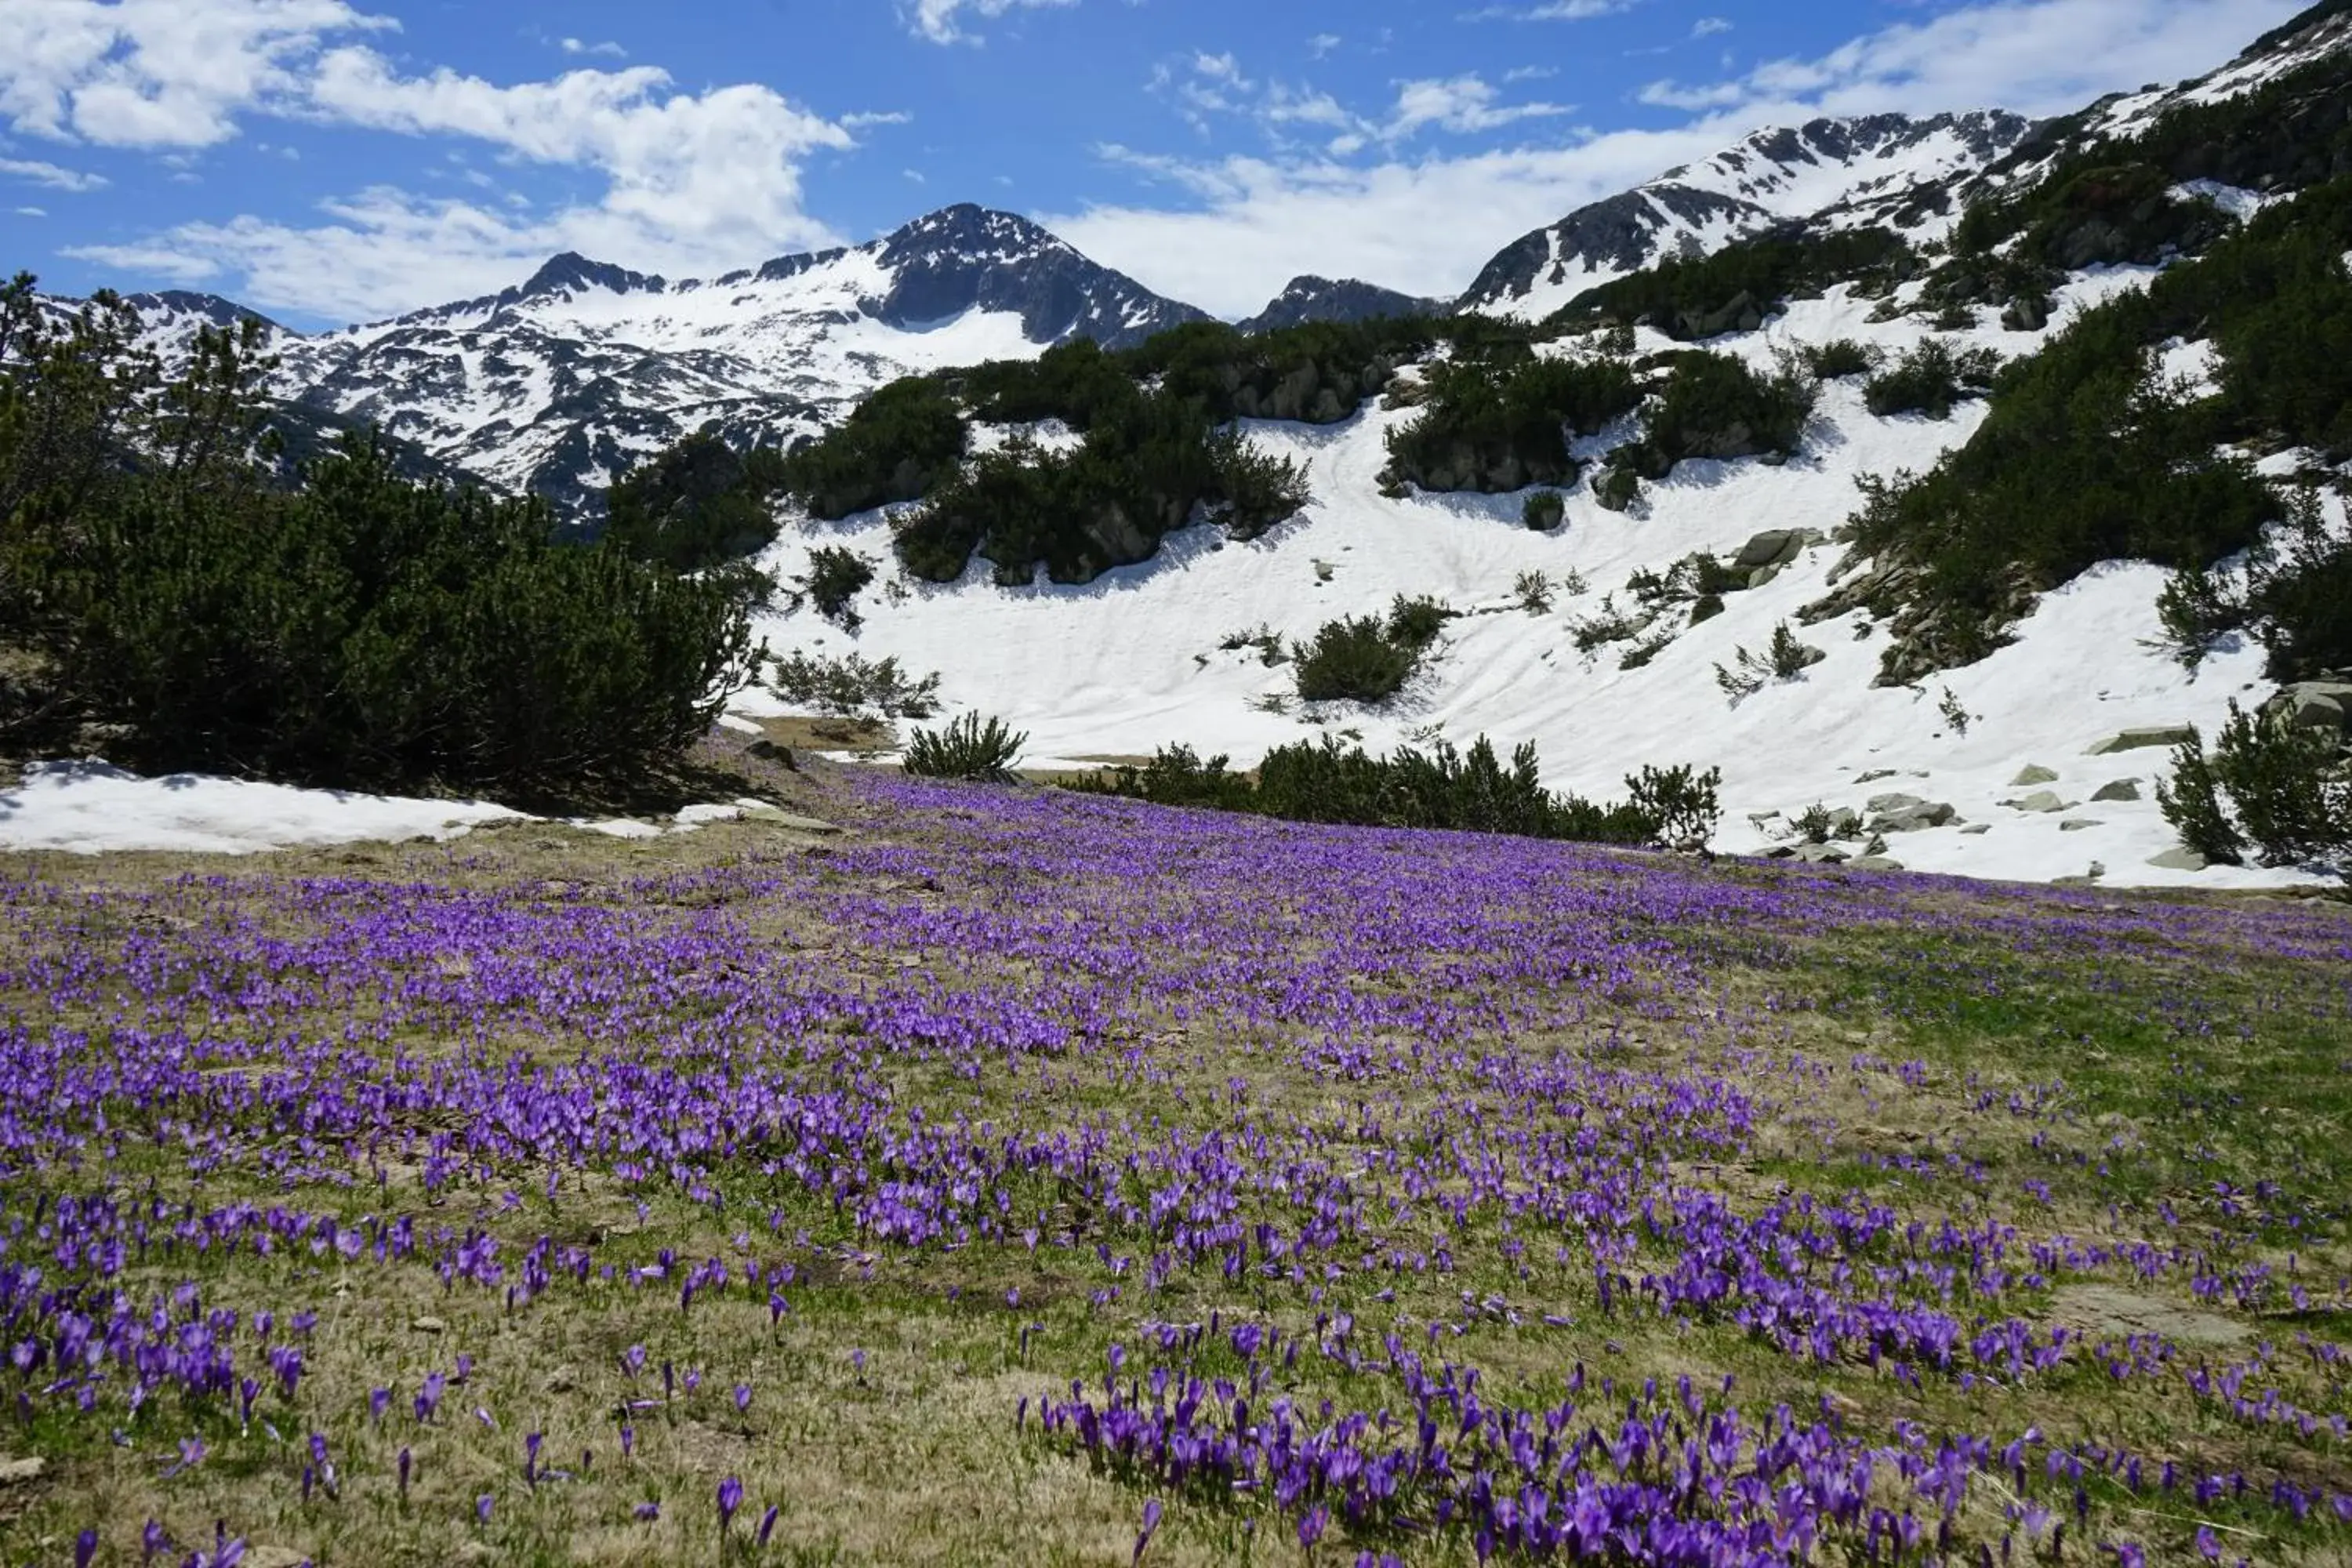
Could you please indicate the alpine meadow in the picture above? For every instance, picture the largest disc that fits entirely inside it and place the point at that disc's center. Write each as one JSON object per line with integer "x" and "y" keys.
{"x": 677, "y": 887}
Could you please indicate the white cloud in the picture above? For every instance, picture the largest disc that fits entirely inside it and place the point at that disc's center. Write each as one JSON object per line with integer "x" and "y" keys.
{"x": 49, "y": 174}
{"x": 1708, "y": 26}
{"x": 158, "y": 73}
{"x": 692, "y": 182}
{"x": 1426, "y": 225}
{"x": 32, "y": 212}
{"x": 577, "y": 47}
{"x": 2036, "y": 56}
{"x": 936, "y": 19}
{"x": 1462, "y": 104}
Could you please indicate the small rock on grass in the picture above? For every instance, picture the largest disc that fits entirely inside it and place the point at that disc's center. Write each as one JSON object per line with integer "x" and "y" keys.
{"x": 14, "y": 1471}
{"x": 429, "y": 1325}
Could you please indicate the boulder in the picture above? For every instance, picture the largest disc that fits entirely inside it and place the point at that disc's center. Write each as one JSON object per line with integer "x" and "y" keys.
{"x": 1873, "y": 775}
{"x": 1844, "y": 821}
{"x": 2040, "y": 800}
{"x": 2121, "y": 789}
{"x": 1976, "y": 829}
{"x": 1822, "y": 855}
{"x": 2142, "y": 739}
{"x": 2179, "y": 858}
{"x": 1908, "y": 813}
{"x": 2033, "y": 773}
{"x": 1773, "y": 547}
{"x": 2076, "y": 824}
{"x": 1886, "y": 803}
{"x": 1873, "y": 863}
{"x": 770, "y": 751}
{"x": 2314, "y": 704}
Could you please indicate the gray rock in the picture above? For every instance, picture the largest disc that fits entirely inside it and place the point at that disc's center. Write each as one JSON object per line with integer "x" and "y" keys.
{"x": 2121, "y": 789}
{"x": 1763, "y": 575}
{"x": 2033, "y": 773}
{"x": 2076, "y": 824}
{"x": 2316, "y": 704}
{"x": 1822, "y": 855}
{"x": 429, "y": 1325}
{"x": 1873, "y": 775}
{"x": 14, "y": 1471}
{"x": 1844, "y": 820}
{"x": 1909, "y": 814}
{"x": 2180, "y": 858}
{"x": 2142, "y": 739}
{"x": 1873, "y": 863}
{"x": 1774, "y": 547}
{"x": 2040, "y": 800}
{"x": 769, "y": 751}
{"x": 1976, "y": 829}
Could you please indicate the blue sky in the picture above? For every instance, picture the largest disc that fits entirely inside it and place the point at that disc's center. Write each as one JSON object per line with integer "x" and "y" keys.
{"x": 329, "y": 161}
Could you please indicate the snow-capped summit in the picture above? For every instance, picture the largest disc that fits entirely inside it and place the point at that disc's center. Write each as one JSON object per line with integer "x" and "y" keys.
{"x": 1859, "y": 169}
{"x": 558, "y": 385}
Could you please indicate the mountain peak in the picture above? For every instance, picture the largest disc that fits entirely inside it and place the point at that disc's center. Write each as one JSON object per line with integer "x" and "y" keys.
{"x": 970, "y": 258}
{"x": 572, "y": 273}
{"x": 1310, "y": 297}
{"x": 1774, "y": 175}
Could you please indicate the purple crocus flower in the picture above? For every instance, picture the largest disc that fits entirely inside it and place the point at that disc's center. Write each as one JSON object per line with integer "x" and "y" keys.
{"x": 730, "y": 1498}
{"x": 1151, "y": 1512}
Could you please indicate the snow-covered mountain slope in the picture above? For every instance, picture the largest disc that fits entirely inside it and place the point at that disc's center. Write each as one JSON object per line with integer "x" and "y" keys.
{"x": 1774, "y": 177}
{"x": 559, "y": 385}
{"x": 1136, "y": 660}
{"x": 1312, "y": 299}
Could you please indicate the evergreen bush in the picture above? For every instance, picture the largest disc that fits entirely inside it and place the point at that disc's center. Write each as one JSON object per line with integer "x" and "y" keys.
{"x": 2270, "y": 784}
{"x": 834, "y": 578}
{"x": 696, "y": 505}
{"x": 1353, "y": 658}
{"x": 854, "y": 685}
{"x": 362, "y": 631}
{"x": 967, "y": 749}
{"x": 1932, "y": 379}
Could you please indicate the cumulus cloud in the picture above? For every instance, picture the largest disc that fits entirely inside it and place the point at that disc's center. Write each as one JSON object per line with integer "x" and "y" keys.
{"x": 158, "y": 73}
{"x": 1362, "y": 204}
{"x": 691, "y": 181}
{"x": 936, "y": 20}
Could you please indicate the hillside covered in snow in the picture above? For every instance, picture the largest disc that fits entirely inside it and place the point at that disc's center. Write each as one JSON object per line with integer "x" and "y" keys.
{"x": 1932, "y": 479}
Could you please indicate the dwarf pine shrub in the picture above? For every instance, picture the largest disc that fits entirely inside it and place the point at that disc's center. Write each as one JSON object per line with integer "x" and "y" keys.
{"x": 967, "y": 749}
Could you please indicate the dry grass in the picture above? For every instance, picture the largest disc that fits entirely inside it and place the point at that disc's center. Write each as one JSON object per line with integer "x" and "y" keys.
{"x": 881, "y": 1416}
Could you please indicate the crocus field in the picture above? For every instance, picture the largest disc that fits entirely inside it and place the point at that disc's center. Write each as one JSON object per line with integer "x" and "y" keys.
{"x": 1022, "y": 1177}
